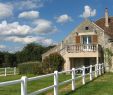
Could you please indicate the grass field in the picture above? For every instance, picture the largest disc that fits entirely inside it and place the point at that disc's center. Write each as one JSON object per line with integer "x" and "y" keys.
{"x": 100, "y": 86}
{"x": 32, "y": 86}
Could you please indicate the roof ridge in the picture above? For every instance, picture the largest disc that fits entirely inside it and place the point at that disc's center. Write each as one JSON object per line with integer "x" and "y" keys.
{"x": 98, "y": 26}
{"x": 103, "y": 18}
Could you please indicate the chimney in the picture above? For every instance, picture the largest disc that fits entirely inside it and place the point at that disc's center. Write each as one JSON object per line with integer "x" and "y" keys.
{"x": 61, "y": 45}
{"x": 106, "y": 18}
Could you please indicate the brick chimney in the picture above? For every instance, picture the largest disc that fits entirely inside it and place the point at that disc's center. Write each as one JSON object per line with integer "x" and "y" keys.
{"x": 106, "y": 18}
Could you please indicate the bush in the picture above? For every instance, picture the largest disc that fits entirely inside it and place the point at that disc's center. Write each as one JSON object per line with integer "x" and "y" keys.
{"x": 53, "y": 62}
{"x": 30, "y": 68}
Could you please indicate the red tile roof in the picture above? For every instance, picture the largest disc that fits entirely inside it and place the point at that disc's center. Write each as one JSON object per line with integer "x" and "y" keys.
{"x": 108, "y": 30}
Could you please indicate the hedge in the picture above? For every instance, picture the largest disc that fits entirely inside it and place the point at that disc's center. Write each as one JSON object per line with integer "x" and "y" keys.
{"x": 30, "y": 68}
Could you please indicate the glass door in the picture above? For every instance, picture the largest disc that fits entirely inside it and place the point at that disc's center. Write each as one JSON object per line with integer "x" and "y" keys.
{"x": 86, "y": 42}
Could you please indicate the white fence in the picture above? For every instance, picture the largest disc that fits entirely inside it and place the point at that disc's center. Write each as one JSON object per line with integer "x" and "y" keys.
{"x": 94, "y": 71}
{"x": 8, "y": 71}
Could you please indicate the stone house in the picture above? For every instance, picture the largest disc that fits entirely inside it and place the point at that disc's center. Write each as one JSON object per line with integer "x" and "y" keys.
{"x": 86, "y": 43}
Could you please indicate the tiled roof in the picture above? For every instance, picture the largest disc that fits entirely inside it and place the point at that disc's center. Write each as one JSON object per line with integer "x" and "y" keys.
{"x": 108, "y": 30}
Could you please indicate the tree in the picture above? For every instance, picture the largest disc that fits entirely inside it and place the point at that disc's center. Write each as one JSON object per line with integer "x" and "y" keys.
{"x": 1, "y": 58}
{"x": 9, "y": 60}
{"x": 53, "y": 62}
{"x": 108, "y": 56}
{"x": 31, "y": 52}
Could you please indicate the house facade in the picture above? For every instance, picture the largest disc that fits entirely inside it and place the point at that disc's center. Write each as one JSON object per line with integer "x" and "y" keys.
{"x": 86, "y": 43}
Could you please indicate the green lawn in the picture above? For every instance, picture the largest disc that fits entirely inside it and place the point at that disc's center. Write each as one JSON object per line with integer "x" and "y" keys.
{"x": 32, "y": 85}
{"x": 101, "y": 86}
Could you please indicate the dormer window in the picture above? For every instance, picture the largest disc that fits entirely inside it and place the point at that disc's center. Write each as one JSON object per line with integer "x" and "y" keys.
{"x": 86, "y": 28}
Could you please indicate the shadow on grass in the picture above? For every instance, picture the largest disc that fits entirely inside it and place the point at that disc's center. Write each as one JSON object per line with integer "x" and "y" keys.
{"x": 72, "y": 92}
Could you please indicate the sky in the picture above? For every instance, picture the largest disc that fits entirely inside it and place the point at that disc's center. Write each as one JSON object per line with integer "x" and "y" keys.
{"x": 46, "y": 22}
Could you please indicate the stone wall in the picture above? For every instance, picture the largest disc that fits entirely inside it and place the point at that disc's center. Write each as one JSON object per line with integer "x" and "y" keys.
{"x": 55, "y": 49}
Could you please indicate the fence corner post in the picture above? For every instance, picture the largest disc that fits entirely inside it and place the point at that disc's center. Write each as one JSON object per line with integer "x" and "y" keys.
{"x": 73, "y": 79}
{"x": 55, "y": 82}
{"x": 24, "y": 85}
{"x": 83, "y": 75}
{"x": 90, "y": 72}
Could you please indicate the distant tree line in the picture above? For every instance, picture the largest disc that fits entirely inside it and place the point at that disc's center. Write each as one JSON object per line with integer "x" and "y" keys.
{"x": 31, "y": 52}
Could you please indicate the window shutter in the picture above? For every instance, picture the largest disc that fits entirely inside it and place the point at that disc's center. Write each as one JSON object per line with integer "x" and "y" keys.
{"x": 95, "y": 39}
{"x": 77, "y": 39}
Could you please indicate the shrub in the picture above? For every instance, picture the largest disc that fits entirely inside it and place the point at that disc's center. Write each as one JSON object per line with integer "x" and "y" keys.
{"x": 30, "y": 68}
{"x": 53, "y": 62}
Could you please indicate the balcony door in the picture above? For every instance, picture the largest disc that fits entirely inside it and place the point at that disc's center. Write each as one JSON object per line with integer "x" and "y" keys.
{"x": 86, "y": 42}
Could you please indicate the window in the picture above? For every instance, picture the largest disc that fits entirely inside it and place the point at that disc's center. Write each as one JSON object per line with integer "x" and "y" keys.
{"x": 86, "y": 39}
{"x": 87, "y": 28}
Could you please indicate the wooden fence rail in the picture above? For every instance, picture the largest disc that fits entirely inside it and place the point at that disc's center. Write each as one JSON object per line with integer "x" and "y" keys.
{"x": 8, "y": 71}
{"x": 99, "y": 70}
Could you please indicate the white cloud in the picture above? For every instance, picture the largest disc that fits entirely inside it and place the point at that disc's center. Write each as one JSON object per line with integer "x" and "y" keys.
{"x": 41, "y": 27}
{"x": 2, "y": 46}
{"x": 29, "y": 14}
{"x": 44, "y": 26}
{"x": 11, "y": 49}
{"x": 20, "y": 39}
{"x": 64, "y": 18}
{"x": 13, "y": 28}
{"x": 88, "y": 12}
{"x": 30, "y": 39}
{"x": 6, "y": 10}
{"x": 16, "y": 33}
{"x": 15, "y": 48}
{"x": 28, "y": 4}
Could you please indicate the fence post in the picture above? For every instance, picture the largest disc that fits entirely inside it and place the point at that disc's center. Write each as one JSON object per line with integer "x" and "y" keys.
{"x": 14, "y": 70}
{"x": 83, "y": 74}
{"x": 100, "y": 69}
{"x": 55, "y": 82}
{"x": 90, "y": 72}
{"x": 73, "y": 79}
{"x": 24, "y": 85}
{"x": 95, "y": 70}
{"x": 5, "y": 71}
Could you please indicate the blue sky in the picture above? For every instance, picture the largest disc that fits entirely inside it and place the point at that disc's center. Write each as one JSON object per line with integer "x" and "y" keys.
{"x": 45, "y": 22}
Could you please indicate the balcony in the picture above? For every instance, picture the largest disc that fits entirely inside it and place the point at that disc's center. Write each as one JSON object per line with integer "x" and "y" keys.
{"x": 81, "y": 50}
